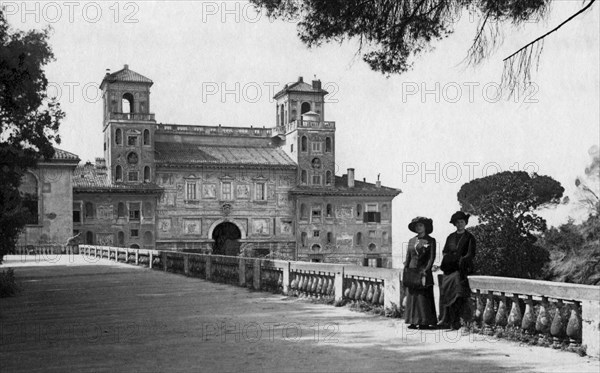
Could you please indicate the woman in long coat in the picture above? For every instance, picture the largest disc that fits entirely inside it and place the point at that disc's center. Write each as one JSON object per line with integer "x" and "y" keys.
{"x": 420, "y": 303}
{"x": 457, "y": 264}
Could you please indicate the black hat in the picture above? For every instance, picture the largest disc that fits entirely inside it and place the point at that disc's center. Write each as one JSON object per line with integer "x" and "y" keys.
{"x": 428, "y": 223}
{"x": 459, "y": 215}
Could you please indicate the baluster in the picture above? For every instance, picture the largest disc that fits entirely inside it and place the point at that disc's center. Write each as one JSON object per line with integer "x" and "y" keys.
{"x": 370, "y": 293}
{"x": 574, "y": 325}
{"x": 309, "y": 283}
{"x": 375, "y": 293}
{"x": 352, "y": 292}
{"x": 480, "y": 307}
{"x": 319, "y": 288}
{"x": 528, "y": 323}
{"x": 515, "y": 318}
{"x": 381, "y": 293}
{"x": 542, "y": 323}
{"x": 501, "y": 314}
{"x": 557, "y": 328}
{"x": 280, "y": 280}
{"x": 488, "y": 313}
{"x": 365, "y": 290}
{"x": 315, "y": 283}
{"x": 331, "y": 287}
{"x": 359, "y": 290}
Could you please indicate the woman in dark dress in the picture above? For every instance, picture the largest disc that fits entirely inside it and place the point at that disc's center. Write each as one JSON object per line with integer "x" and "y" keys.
{"x": 457, "y": 264}
{"x": 420, "y": 303}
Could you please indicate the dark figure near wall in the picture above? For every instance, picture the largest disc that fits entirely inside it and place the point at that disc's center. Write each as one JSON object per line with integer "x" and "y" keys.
{"x": 457, "y": 264}
{"x": 420, "y": 302}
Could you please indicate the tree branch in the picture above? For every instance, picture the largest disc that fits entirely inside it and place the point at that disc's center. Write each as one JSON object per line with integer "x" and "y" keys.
{"x": 582, "y": 10}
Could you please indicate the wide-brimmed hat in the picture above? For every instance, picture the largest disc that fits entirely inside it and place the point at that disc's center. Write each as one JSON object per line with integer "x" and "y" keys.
{"x": 458, "y": 216}
{"x": 428, "y": 223}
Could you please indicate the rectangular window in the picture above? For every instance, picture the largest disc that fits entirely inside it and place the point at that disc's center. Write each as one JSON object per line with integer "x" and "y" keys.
{"x": 372, "y": 262}
{"x": 372, "y": 217}
{"x": 190, "y": 191}
{"x": 371, "y": 207}
{"x": 316, "y": 233}
{"x": 316, "y": 179}
{"x": 371, "y": 234}
{"x": 135, "y": 233}
{"x": 316, "y": 212}
{"x": 261, "y": 193}
{"x": 76, "y": 212}
{"x": 132, "y": 140}
{"x": 316, "y": 146}
{"x": 134, "y": 211}
{"x": 132, "y": 176}
{"x": 226, "y": 191}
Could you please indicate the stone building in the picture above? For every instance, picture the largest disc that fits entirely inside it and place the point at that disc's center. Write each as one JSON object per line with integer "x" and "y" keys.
{"x": 226, "y": 190}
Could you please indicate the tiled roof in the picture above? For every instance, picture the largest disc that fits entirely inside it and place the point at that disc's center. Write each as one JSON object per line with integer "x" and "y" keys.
{"x": 64, "y": 155}
{"x": 90, "y": 178}
{"x": 300, "y": 86}
{"x": 169, "y": 154}
{"x": 126, "y": 75}
{"x": 341, "y": 188}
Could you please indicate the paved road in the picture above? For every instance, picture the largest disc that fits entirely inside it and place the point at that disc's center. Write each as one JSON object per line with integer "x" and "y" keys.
{"x": 74, "y": 316}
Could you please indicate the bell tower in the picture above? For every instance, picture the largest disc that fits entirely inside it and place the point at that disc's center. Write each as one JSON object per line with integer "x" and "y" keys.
{"x": 309, "y": 139}
{"x": 128, "y": 127}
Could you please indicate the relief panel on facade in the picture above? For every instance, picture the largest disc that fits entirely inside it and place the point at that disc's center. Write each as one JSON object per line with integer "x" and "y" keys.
{"x": 105, "y": 239}
{"x": 104, "y": 212}
{"x": 209, "y": 191}
{"x": 283, "y": 200}
{"x": 343, "y": 212}
{"x": 164, "y": 225}
{"x": 192, "y": 226}
{"x": 242, "y": 191}
{"x": 285, "y": 227}
{"x": 260, "y": 227}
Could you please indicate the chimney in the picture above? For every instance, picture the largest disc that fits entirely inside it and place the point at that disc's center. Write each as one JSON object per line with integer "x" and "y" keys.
{"x": 350, "y": 178}
{"x": 300, "y": 79}
{"x": 107, "y": 71}
{"x": 316, "y": 84}
{"x": 378, "y": 183}
{"x": 126, "y": 67}
{"x": 100, "y": 163}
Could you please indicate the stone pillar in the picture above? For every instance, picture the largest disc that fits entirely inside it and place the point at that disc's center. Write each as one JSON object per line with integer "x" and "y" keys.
{"x": 242, "y": 271}
{"x": 256, "y": 275}
{"x": 590, "y": 326}
{"x": 150, "y": 259}
{"x": 163, "y": 259}
{"x": 137, "y": 256}
{"x": 186, "y": 264}
{"x": 286, "y": 278}
{"x": 392, "y": 290}
{"x": 208, "y": 267}
{"x": 338, "y": 285}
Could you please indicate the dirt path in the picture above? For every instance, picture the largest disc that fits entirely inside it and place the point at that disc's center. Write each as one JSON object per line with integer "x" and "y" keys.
{"x": 107, "y": 317}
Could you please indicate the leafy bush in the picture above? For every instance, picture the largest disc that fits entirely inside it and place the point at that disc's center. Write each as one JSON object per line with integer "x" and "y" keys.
{"x": 8, "y": 284}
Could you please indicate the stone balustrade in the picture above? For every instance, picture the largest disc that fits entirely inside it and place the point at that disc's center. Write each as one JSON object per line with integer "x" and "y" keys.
{"x": 558, "y": 312}
{"x": 45, "y": 249}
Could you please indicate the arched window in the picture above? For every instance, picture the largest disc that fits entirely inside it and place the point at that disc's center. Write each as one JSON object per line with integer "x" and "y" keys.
{"x": 305, "y": 107}
{"x": 89, "y": 238}
{"x": 304, "y": 144}
{"x": 329, "y": 211}
{"x": 127, "y": 103}
{"x": 328, "y": 178}
{"x": 359, "y": 239}
{"x": 358, "y": 210}
{"x": 147, "y": 174}
{"x": 146, "y": 137}
{"x": 303, "y": 239}
{"x": 89, "y": 210}
{"x": 29, "y": 197}
{"x": 121, "y": 210}
{"x": 303, "y": 212}
{"x": 281, "y": 122}
{"x": 328, "y": 145}
{"x": 147, "y": 238}
{"x": 303, "y": 177}
{"x": 329, "y": 237}
{"x": 385, "y": 238}
{"x": 118, "y": 173}
{"x": 294, "y": 113}
{"x": 121, "y": 238}
{"x": 118, "y": 137}
{"x": 134, "y": 246}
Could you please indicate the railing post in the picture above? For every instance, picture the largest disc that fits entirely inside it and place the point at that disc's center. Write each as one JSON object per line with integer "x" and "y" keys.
{"x": 256, "y": 275}
{"x": 150, "y": 259}
{"x": 590, "y": 328}
{"x": 137, "y": 256}
{"x": 286, "y": 278}
{"x": 186, "y": 264}
{"x": 392, "y": 290}
{"x": 163, "y": 259}
{"x": 242, "y": 271}
{"x": 338, "y": 285}
{"x": 208, "y": 267}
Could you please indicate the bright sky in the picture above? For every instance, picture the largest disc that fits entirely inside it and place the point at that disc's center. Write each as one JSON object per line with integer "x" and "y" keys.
{"x": 385, "y": 126}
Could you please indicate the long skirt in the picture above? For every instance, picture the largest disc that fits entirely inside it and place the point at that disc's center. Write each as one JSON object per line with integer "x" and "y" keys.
{"x": 420, "y": 307}
{"x": 454, "y": 299}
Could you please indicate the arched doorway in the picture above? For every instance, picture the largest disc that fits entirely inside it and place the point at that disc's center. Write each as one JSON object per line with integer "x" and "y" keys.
{"x": 226, "y": 236}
